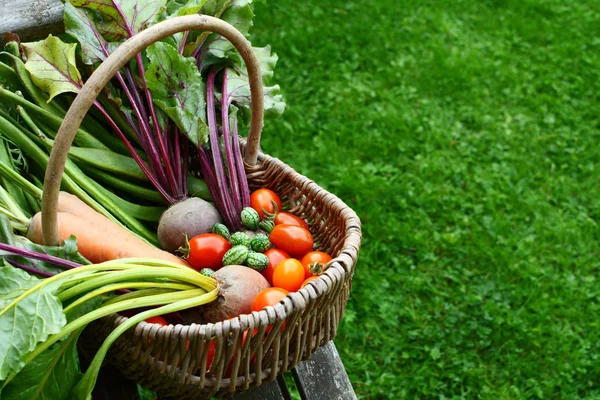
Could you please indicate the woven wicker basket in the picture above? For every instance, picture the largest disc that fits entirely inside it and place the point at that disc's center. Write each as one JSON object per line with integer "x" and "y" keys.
{"x": 172, "y": 360}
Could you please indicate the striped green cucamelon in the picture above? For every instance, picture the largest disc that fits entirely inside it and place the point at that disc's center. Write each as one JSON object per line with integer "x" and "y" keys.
{"x": 260, "y": 243}
{"x": 250, "y": 218}
{"x": 257, "y": 261}
{"x": 240, "y": 239}
{"x": 221, "y": 230}
{"x": 236, "y": 255}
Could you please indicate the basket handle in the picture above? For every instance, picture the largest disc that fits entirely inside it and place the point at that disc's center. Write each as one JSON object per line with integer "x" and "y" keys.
{"x": 114, "y": 62}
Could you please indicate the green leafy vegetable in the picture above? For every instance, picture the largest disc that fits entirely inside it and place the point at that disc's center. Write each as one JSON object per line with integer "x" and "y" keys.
{"x": 184, "y": 7}
{"x": 52, "y": 66}
{"x": 216, "y": 48}
{"x": 238, "y": 86}
{"x": 67, "y": 251}
{"x": 146, "y": 394}
{"x": 31, "y": 321}
{"x": 51, "y": 375}
{"x": 177, "y": 88}
{"x": 79, "y": 23}
{"x": 120, "y": 19}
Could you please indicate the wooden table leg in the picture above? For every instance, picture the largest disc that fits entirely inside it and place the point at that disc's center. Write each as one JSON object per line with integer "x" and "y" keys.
{"x": 274, "y": 390}
{"x": 323, "y": 376}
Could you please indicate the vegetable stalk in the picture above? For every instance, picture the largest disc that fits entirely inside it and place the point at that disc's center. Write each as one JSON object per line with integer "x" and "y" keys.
{"x": 167, "y": 285}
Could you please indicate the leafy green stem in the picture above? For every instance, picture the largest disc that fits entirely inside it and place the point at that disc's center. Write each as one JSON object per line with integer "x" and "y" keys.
{"x": 138, "y": 274}
{"x": 193, "y": 296}
{"x": 10, "y": 174}
{"x": 129, "y": 285}
{"x": 84, "y": 388}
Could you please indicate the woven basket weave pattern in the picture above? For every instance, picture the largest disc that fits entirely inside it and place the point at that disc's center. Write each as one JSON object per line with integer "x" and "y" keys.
{"x": 156, "y": 356}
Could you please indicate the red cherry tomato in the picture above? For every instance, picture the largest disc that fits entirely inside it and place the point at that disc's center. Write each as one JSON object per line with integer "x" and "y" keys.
{"x": 292, "y": 239}
{"x": 289, "y": 219}
{"x": 268, "y": 297}
{"x": 207, "y": 251}
{"x": 310, "y": 278}
{"x": 227, "y": 373}
{"x": 289, "y": 275}
{"x": 262, "y": 199}
{"x": 212, "y": 346}
{"x": 275, "y": 256}
{"x": 157, "y": 320}
{"x": 314, "y": 262}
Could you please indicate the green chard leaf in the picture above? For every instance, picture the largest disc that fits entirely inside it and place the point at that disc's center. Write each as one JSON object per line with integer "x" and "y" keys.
{"x": 239, "y": 13}
{"x": 53, "y": 374}
{"x": 238, "y": 87}
{"x": 177, "y": 88}
{"x": 79, "y": 24}
{"x": 67, "y": 251}
{"x": 145, "y": 394}
{"x": 51, "y": 63}
{"x": 215, "y": 7}
{"x": 177, "y": 8}
{"x": 121, "y": 19}
{"x": 50, "y": 376}
{"x": 31, "y": 321}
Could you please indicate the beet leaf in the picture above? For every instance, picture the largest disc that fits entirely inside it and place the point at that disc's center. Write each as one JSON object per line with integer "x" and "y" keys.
{"x": 178, "y": 89}
{"x": 121, "y": 19}
{"x": 52, "y": 66}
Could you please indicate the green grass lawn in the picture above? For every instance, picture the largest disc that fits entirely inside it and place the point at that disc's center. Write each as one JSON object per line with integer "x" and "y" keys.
{"x": 466, "y": 136}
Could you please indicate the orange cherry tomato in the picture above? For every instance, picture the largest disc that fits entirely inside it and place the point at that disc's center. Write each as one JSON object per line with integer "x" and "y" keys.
{"x": 262, "y": 200}
{"x": 289, "y": 219}
{"x": 268, "y": 297}
{"x": 310, "y": 278}
{"x": 275, "y": 256}
{"x": 289, "y": 275}
{"x": 314, "y": 262}
{"x": 292, "y": 239}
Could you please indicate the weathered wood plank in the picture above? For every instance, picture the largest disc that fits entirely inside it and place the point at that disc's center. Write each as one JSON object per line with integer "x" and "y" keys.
{"x": 323, "y": 376}
{"x": 31, "y": 19}
{"x": 274, "y": 390}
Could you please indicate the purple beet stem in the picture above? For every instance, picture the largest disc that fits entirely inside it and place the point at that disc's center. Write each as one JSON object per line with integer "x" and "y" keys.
{"x": 239, "y": 164}
{"x": 31, "y": 270}
{"x": 229, "y": 216}
{"x": 151, "y": 177}
{"x": 161, "y": 175}
{"x": 60, "y": 262}
{"x": 233, "y": 176}
{"x": 211, "y": 180}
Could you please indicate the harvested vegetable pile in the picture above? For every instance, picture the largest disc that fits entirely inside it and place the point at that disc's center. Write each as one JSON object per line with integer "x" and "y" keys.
{"x": 156, "y": 215}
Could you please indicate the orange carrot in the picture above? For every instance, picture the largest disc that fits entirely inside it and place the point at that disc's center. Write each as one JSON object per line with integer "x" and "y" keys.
{"x": 98, "y": 240}
{"x": 72, "y": 204}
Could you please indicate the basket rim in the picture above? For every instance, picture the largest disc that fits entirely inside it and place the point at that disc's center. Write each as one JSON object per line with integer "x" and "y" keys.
{"x": 341, "y": 265}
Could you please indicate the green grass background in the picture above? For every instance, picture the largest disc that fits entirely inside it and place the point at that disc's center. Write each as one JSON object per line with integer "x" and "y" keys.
{"x": 465, "y": 135}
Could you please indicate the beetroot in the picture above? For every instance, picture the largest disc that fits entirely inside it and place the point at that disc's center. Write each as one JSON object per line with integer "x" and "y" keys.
{"x": 190, "y": 218}
{"x": 238, "y": 286}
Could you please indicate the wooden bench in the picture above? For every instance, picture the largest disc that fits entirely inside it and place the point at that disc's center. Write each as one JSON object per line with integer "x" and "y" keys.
{"x": 321, "y": 377}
